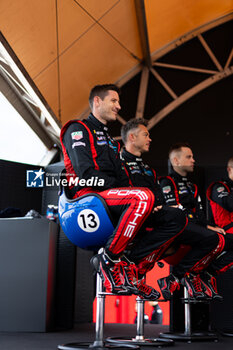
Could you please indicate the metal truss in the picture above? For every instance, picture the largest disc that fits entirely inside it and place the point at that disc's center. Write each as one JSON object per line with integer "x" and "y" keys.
{"x": 214, "y": 75}
{"x": 20, "y": 90}
{"x": 45, "y": 123}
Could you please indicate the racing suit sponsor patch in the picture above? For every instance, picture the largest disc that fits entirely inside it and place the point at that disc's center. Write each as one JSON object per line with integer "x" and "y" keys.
{"x": 223, "y": 194}
{"x": 101, "y": 143}
{"x": 77, "y": 135}
{"x": 220, "y": 189}
{"x": 148, "y": 172}
{"x": 166, "y": 189}
{"x": 76, "y": 144}
{"x": 183, "y": 191}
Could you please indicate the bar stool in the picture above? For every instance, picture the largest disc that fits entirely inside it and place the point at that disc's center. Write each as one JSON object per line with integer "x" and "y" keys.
{"x": 87, "y": 223}
{"x": 116, "y": 342}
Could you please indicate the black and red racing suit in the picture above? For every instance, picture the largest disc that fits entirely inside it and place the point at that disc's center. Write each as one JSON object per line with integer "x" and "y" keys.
{"x": 178, "y": 190}
{"x": 220, "y": 196}
{"x": 90, "y": 153}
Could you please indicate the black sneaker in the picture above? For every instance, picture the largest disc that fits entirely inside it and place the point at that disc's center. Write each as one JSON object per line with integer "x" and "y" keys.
{"x": 193, "y": 285}
{"x": 209, "y": 286}
{"x": 136, "y": 284}
{"x": 131, "y": 275}
{"x": 112, "y": 273}
{"x": 147, "y": 292}
{"x": 168, "y": 285}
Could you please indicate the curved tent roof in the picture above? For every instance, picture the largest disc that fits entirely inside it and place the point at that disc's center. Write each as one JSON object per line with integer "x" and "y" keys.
{"x": 67, "y": 46}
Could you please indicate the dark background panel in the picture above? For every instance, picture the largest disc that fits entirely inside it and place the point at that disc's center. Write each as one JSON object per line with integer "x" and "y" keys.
{"x": 75, "y": 280}
{"x": 14, "y": 192}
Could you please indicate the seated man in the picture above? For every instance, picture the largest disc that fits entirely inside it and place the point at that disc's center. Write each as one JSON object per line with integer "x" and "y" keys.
{"x": 220, "y": 195}
{"x": 179, "y": 190}
{"x": 163, "y": 232}
{"x": 90, "y": 152}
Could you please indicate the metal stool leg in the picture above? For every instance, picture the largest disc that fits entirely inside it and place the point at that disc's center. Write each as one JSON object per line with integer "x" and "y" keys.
{"x": 188, "y": 335}
{"x": 140, "y": 339}
{"x": 100, "y": 308}
{"x": 99, "y": 327}
{"x": 187, "y": 315}
{"x": 140, "y": 320}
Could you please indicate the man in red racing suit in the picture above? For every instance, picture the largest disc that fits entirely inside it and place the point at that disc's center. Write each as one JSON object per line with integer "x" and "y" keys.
{"x": 179, "y": 190}
{"x": 92, "y": 156}
{"x": 220, "y": 196}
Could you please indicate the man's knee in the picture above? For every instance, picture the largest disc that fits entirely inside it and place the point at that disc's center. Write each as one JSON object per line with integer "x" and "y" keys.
{"x": 176, "y": 215}
{"x": 212, "y": 239}
{"x": 228, "y": 241}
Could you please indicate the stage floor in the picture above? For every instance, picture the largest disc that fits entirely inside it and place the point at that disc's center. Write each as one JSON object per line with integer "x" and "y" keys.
{"x": 85, "y": 332}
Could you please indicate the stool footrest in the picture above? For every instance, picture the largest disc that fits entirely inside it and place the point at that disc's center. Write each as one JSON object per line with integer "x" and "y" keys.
{"x": 141, "y": 341}
{"x": 195, "y": 301}
{"x": 103, "y": 346}
{"x": 195, "y": 336}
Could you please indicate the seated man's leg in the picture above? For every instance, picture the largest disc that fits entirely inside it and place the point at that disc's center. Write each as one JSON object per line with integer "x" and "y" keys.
{"x": 221, "y": 264}
{"x": 161, "y": 229}
{"x": 168, "y": 223}
{"x": 206, "y": 245}
{"x": 131, "y": 207}
{"x": 228, "y": 241}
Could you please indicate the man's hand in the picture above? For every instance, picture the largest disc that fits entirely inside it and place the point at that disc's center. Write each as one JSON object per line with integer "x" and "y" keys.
{"x": 157, "y": 208}
{"x": 217, "y": 229}
{"x": 179, "y": 206}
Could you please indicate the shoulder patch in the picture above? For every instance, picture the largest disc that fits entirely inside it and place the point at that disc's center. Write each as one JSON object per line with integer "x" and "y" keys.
{"x": 220, "y": 189}
{"x": 77, "y": 135}
{"x": 167, "y": 189}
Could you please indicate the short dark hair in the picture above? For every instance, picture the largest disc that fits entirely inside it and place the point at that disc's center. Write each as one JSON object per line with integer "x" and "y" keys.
{"x": 102, "y": 91}
{"x": 230, "y": 162}
{"x": 132, "y": 124}
{"x": 177, "y": 147}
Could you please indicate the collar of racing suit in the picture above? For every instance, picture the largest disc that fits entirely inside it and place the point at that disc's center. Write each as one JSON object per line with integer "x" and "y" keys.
{"x": 96, "y": 122}
{"x": 130, "y": 156}
{"x": 177, "y": 176}
{"x": 229, "y": 183}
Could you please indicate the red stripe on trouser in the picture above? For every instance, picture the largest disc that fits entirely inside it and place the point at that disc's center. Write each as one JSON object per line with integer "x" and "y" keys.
{"x": 139, "y": 204}
{"x": 147, "y": 263}
{"x": 224, "y": 269}
{"x": 204, "y": 262}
